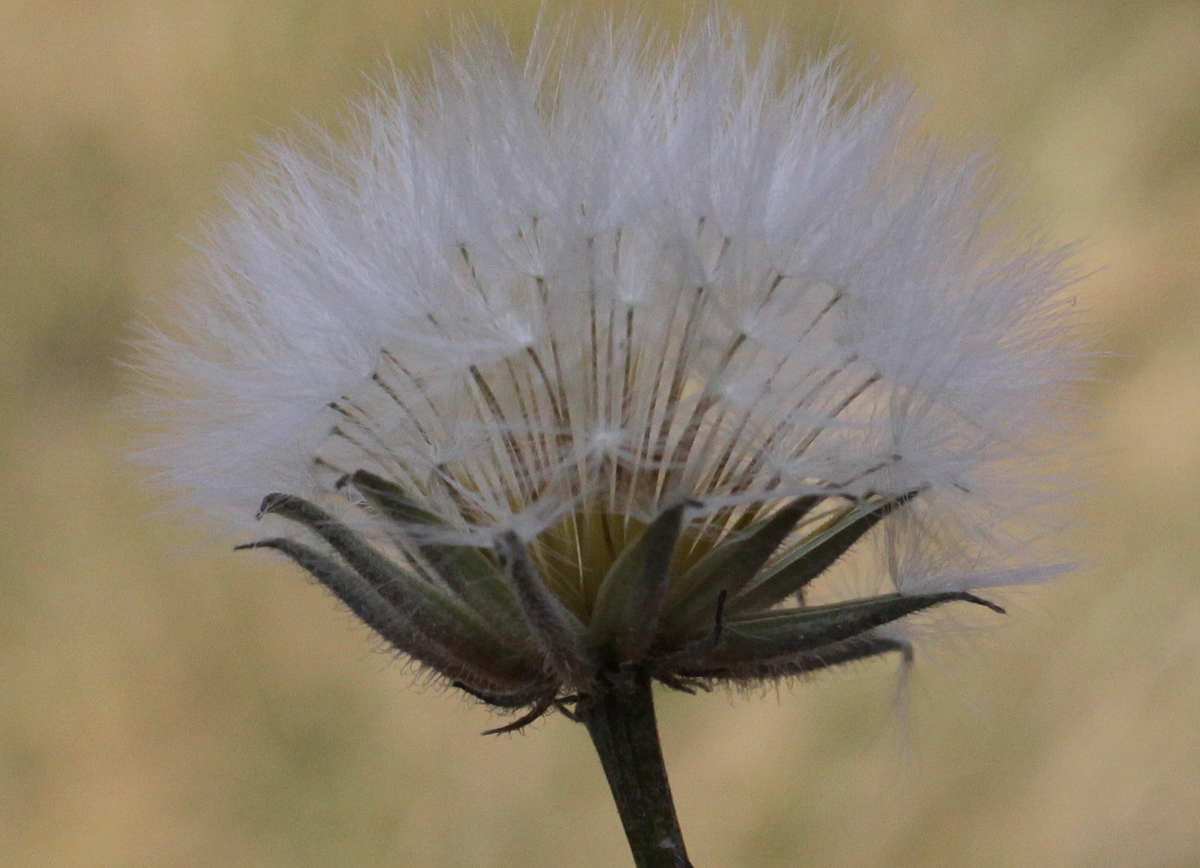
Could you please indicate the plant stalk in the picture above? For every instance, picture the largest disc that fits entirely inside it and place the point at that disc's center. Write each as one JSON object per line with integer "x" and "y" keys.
{"x": 622, "y": 725}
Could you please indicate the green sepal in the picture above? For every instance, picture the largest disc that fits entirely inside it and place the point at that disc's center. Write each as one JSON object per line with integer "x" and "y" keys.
{"x": 556, "y": 631}
{"x": 631, "y": 596}
{"x": 465, "y": 570}
{"x": 858, "y": 647}
{"x": 732, "y": 564}
{"x": 377, "y": 613}
{"x": 391, "y": 500}
{"x": 795, "y": 570}
{"x": 788, "y": 632}
{"x": 440, "y": 615}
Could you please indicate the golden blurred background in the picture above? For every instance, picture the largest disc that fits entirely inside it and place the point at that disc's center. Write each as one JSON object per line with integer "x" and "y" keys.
{"x": 164, "y": 702}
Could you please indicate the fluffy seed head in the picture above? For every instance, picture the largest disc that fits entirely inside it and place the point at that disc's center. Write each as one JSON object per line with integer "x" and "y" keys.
{"x": 593, "y": 349}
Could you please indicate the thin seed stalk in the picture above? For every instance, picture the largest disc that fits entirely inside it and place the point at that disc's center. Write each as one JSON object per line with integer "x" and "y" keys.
{"x": 621, "y": 722}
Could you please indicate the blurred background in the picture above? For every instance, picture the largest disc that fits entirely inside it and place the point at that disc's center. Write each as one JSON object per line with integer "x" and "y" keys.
{"x": 164, "y": 702}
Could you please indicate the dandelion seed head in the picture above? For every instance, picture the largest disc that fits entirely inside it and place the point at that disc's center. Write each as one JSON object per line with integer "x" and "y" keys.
{"x": 620, "y": 291}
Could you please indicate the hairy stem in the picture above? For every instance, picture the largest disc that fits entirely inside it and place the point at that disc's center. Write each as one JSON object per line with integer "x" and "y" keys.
{"x": 621, "y": 722}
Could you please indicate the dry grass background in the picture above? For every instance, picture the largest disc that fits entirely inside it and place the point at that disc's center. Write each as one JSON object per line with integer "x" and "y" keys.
{"x": 166, "y": 703}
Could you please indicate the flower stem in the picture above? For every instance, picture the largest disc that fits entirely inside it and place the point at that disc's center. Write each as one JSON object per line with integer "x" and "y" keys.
{"x": 621, "y": 723}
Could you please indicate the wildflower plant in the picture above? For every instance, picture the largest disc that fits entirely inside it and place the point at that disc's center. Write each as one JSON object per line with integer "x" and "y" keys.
{"x": 572, "y": 374}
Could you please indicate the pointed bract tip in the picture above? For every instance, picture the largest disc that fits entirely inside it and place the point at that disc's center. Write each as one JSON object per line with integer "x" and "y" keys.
{"x": 271, "y": 503}
{"x": 258, "y": 544}
{"x": 980, "y": 601}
